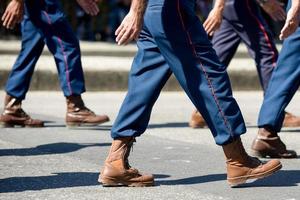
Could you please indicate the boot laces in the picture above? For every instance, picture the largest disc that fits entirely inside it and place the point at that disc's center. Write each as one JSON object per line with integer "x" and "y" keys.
{"x": 16, "y": 105}
{"x": 128, "y": 150}
{"x": 78, "y": 109}
{"x": 19, "y": 112}
{"x": 23, "y": 113}
{"x": 88, "y": 110}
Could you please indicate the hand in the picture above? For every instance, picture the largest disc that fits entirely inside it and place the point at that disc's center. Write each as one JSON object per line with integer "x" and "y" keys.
{"x": 89, "y": 6}
{"x": 213, "y": 21}
{"x": 274, "y": 9}
{"x": 291, "y": 24}
{"x": 129, "y": 29}
{"x": 13, "y": 14}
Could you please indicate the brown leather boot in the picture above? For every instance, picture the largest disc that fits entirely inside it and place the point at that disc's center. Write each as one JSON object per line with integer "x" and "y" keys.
{"x": 14, "y": 115}
{"x": 242, "y": 168}
{"x": 117, "y": 171}
{"x": 78, "y": 114}
{"x": 268, "y": 144}
{"x": 197, "y": 120}
{"x": 291, "y": 120}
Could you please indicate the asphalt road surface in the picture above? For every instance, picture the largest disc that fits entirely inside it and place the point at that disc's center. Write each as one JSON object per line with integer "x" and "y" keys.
{"x": 60, "y": 163}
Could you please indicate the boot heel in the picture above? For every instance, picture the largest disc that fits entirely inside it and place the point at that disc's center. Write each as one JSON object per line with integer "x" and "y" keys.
{"x": 73, "y": 125}
{"x": 6, "y": 125}
{"x": 258, "y": 154}
{"x": 236, "y": 182}
{"x": 240, "y": 181}
{"x": 107, "y": 182}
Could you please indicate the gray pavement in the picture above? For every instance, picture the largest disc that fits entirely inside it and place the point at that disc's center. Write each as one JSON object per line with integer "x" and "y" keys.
{"x": 60, "y": 163}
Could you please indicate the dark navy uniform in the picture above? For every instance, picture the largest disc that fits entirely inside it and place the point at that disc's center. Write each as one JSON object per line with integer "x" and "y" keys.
{"x": 242, "y": 21}
{"x": 173, "y": 41}
{"x": 45, "y": 23}
{"x": 283, "y": 85}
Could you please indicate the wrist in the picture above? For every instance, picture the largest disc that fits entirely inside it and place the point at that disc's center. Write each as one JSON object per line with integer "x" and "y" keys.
{"x": 219, "y": 8}
{"x": 219, "y": 5}
{"x": 136, "y": 13}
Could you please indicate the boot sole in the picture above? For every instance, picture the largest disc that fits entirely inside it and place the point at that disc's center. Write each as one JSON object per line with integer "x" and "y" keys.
{"x": 260, "y": 154}
{"x": 6, "y": 125}
{"x": 109, "y": 182}
{"x": 237, "y": 181}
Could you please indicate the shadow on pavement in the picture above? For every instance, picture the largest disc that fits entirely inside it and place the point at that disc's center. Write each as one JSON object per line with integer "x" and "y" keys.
{"x": 57, "y": 180}
{"x": 291, "y": 130}
{"x": 282, "y": 178}
{"x": 54, "y": 126}
{"x": 96, "y": 128}
{"x": 46, "y": 149}
{"x": 81, "y": 179}
{"x": 193, "y": 180}
{"x": 161, "y": 176}
{"x": 87, "y": 127}
{"x": 169, "y": 125}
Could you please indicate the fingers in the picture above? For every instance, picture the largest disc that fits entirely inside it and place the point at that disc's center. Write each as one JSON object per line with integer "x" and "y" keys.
{"x": 275, "y": 10}
{"x": 120, "y": 34}
{"x": 119, "y": 29}
{"x": 89, "y": 6}
{"x": 129, "y": 29}
{"x": 91, "y": 9}
{"x": 4, "y": 15}
{"x": 279, "y": 14}
{"x": 211, "y": 26}
{"x": 13, "y": 14}
{"x": 274, "y": 16}
{"x": 283, "y": 33}
{"x": 8, "y": 21}
{"x": 11, "y": 22}
{"x": 125, "y": 35}
{"x": 94, "y": 9}
{"x": 288, "y": 28}
{"x": 208, "y": 26}
{"x": 210, "y": 30}
{"x": 6, "y": 18}
{"x": 126, "y": 38}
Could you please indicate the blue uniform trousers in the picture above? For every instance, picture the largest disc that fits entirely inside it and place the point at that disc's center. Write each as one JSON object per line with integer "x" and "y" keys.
{"x": 44, "y": 22}
{"x": 242, "y": 21}
{"x": 173, "y": 41}
{"x": 283, "y": 84}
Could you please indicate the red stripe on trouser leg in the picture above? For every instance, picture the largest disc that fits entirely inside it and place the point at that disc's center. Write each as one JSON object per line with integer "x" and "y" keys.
{"x": 262, "y": 28}
{"x": 205, "y": 73}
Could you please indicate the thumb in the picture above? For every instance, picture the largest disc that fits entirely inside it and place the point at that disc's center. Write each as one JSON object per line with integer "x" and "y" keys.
{"x": 284, "y": 31}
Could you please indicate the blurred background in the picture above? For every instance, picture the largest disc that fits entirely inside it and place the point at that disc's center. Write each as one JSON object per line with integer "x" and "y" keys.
{"x": 103, "y": 26}
{"x": 106, "y": 65}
